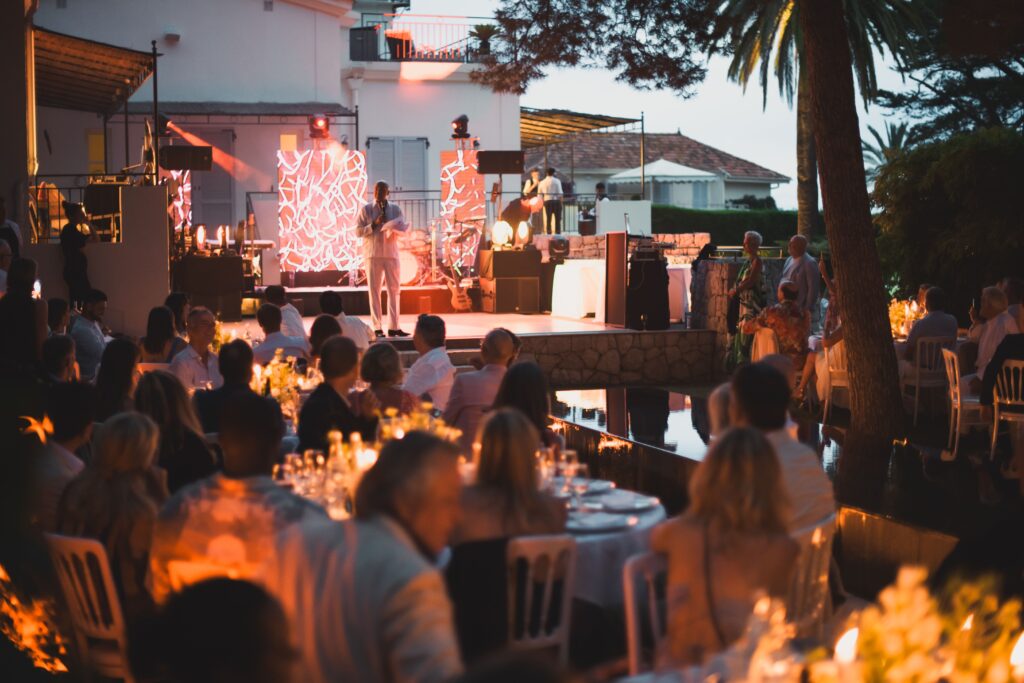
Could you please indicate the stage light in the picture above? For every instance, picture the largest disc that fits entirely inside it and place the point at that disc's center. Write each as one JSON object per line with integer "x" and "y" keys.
{"x": 200, "y": 237}
{"x": 523, "y": 233}
{"x": 319, "y": 126}
{"x": 501, "y": 234}
{"x": 460, "y": 128}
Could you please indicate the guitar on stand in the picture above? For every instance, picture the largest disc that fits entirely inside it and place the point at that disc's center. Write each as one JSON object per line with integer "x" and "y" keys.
{"x": 450, "y": 271}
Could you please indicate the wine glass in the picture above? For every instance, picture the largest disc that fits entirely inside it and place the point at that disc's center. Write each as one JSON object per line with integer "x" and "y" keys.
{"x": 579, "y": 483}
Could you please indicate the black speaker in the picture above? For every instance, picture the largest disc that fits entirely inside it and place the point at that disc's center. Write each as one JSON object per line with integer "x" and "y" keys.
{"x": 102, "y": 199}
{"x": 186, "y": 158}
{"x": 510, "y": 295}
{"x": 496, "y": 161}
{"x": 647, "y": 295}
{"x": 494, "y": 264}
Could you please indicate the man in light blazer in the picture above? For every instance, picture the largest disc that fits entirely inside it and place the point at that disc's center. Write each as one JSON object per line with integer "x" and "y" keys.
{"x": 473, "y": 392}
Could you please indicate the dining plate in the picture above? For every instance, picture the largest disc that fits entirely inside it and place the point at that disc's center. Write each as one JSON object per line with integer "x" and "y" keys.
{"x": 594, "y": 487}
{"x": 626, "y": 501}
{"x": 598, "y": 522}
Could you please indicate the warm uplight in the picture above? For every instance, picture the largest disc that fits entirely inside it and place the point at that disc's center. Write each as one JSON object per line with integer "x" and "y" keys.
{"x": 501, "y": 234}
{"x": 846, "y": 647}
{"x": 1017, "y": 657}
{"x": 523, "y": 231}
{"x": 200, "y": 236}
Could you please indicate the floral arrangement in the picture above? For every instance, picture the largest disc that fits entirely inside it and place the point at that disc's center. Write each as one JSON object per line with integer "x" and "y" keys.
{"x": 981, "y": 633}
{"x": 280, "y": 380}
{"x": 394, "y": 425}
{"x": 903, "y": 315}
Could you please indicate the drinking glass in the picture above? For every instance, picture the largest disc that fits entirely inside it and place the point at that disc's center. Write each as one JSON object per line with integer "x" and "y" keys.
{"x": 579, "y": 483}
{"x": 545, "y": 467}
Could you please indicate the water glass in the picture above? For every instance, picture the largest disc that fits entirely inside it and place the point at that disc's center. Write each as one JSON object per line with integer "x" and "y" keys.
{"x": 579, "y": 484}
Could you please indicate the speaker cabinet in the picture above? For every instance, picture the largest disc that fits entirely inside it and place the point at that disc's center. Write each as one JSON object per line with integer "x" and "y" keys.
{"x": 647, "y": 295}
{"x": 615, "y": 278}
{"x": 499, "y": 264}
{"x": 500, "y": 161}
{"x": 186, "y": 158}
{"x": 510, "y": 295}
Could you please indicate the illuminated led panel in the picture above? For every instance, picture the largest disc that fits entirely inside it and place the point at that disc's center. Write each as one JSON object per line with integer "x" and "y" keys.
{"x": 179, "y": 187}
{"x": 319, "y": 196}
{"x": 462, "y": 205}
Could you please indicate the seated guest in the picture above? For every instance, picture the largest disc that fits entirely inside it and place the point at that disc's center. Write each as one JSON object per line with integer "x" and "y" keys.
{"x": 183, "y": 453}
{"x": 328, "y": 406}
{"x": 226, "y": 523}
{"x": 324, "y": 327}
{"x": 22, "y": 321}
{"x": 59, "y": 359}
{"x": 381, "y": 368}
{"x": 788, "y": 320}
{"x": 115, "y": 500}
{"x": 235, "y": 362}
{"x": 1011, "y": 348}
{"x": 718, "y": 410}
{"x": 525, "y": 388}
{"x": 196, "y": 366}
{"x": 831, "y": 334}
{"x": 730, "y": 545}
{"x": 58, "y": 315}
{"x": 1013, "y": 288}
{"x": 351, "y": 326}
{"x": 935, "y": 323}
{"x": 365, "y": 596}
{"x": 269, "y": 318}
{"x": 988, "y": 329}
{"x": 517, "y": 346}
{"x": 291, "y": 319}
{"x": 71, "y": 407}
{"x": 161, "y": 343}
{"x": 474, "y": 392}
{"x": 116, "y": 378}
{"x": 760, "y": 399}
{"x": 922, "y": 293}
{"x": 180, "y": 306}
{"x": 90, "y": 338}
{"x": 433, "y": 374}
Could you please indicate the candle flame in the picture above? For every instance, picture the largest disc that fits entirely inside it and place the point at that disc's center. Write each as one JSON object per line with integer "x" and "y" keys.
{"x": 968, "y": 622}
{"x": 1017, "y": 656}
{"x": 846, "y": 647}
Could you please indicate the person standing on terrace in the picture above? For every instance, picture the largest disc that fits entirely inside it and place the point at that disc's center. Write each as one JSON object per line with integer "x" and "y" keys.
{"x": 748, "y": 296}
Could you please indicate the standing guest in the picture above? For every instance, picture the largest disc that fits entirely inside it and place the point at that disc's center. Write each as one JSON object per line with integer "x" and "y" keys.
{"x": 525, "y": 388}
{"x": 380, "y": 224}
{"x": 351, "y": 326}
{"x": 71, "y": 407}
{"x": 180, "y": 306}
{"x": 433, "y": 374}
{"x": 89, "y": 335}
{"x": 161, "y": 343}
{"x": 935, "y": 323}
{"x": 291, "y": 319}
{"x": 801, "y": 269}
{"x": 365, "y": 596}
{"x": 760, "y": 399}
{"x": 790, "y": 322}
{"x": 473, "y": 392}
{"x": 6, "y": 257}
{"x": 270, "y": 319}
{"x": 228, "y": 520}
{"x": 58, "y": 315}
{"x": 324, "y": 327}
{"x": 532, "y": 183}
{"x": 748, "y": 296}
{"x": 116, "y": 379}
{"x": 196, "y": 366}
{"x": 22, "y": 321}
{"x": 1013, "y": 288}
{"x": 183, "y": 453}
{"x": 816, "y": 365}
{"x": 59, "y": 359}
{"x": 550, "y": 190}
{"x": 988, "y": 330}
{"x": 9, "y": 231}
{"x": 729, "y": 545}
{"x": 381, "y": 368}
{"x": 115, "y": 500}
{"x": 75, "y": 234}
{"x": 235, "y": 361}
{"x": 328, "y": 407}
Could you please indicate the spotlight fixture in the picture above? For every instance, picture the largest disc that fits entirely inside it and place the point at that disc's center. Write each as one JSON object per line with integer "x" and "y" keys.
{"x": 523, "y": 234}
{"x": 501, "y": 234}
{"x": 460, "y": 128}
{"x": 319, "y": 126}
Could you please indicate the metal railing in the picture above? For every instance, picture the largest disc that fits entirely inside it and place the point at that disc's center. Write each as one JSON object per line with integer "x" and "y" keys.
{"x": 419, "y": 38}
{"x": 47, "y": 195}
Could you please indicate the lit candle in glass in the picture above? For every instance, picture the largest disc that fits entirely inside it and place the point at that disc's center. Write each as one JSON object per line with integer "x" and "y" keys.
{"x": 1017, "y": 660}
{"x": 846, "y": 657}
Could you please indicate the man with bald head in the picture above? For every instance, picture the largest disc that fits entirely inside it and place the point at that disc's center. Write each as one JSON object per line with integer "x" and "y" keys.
{"x": 802, "y": 270}
{"x": 473, "y": 392}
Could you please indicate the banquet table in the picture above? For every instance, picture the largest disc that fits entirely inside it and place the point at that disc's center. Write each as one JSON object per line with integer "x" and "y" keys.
{"x": 679, "y": 277}
{"x": 577, "y": 289}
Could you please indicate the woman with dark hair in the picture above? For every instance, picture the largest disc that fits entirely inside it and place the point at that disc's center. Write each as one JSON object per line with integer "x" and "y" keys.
{"x": 180, "y": 305}
{"x": 381, "y": 368}
{"x": 182, "y": 450}
{"x": 75, "y": 234}
{"x": 324, "y": 327}
{"x": 116, "y": 379}
{"x": 22, "y": 320}
{"x": 525, "y": 387}
{"x": 161, "y": 343}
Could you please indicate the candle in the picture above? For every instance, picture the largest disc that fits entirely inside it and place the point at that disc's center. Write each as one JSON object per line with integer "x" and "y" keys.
{"x": 200, "y": 240}
{"x": 1017, "y": 660}
{"x": 846, "y": 657}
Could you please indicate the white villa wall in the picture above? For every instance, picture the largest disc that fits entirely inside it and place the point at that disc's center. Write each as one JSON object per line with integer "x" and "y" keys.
{"x": 736, "y": 190}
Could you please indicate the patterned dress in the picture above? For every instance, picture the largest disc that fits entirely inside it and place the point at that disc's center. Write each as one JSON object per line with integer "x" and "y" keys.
{"x": 752, "y": 301}
{"x": 791, "y": 325}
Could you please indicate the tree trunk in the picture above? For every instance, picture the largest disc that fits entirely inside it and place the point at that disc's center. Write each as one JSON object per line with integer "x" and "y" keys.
{"x": 875, "y": 403}
{"x": 808, "y": 220}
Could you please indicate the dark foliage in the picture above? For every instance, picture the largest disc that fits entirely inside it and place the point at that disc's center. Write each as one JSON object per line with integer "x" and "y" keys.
{"x": 726, "y": 227}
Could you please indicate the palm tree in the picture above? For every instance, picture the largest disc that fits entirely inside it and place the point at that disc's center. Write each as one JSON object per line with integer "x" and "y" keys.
{"x": 898, "y": 138}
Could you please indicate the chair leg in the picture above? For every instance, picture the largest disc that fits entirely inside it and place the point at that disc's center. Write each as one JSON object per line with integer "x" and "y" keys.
{"x": 917, "y": 398}
{"x": 952, "y": 422}
{"x": 956, "y": 437}
{"x": 828, "y": 404}
{"x": 995, "y": 433}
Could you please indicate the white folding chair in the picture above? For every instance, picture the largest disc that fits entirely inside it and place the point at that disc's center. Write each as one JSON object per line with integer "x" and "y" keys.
{"x": 961, "y": 408}
{"x": 88, "y": 586}
{"x": 838, "y": 375}
{"x": 640, "y": 579}
{"x": 1008, "y": 398}
{"x": 928, "y": 371}
{"x": 184, "y": 573}
{"x": 150, "y": 367}
{"x": 808, "y": 604}
{"x": 765, "y": 344}
{"x": 540, "y": 621}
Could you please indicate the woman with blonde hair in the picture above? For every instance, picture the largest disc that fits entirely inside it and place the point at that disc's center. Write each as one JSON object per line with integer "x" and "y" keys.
{"x": 381, "y": 368}
{"x": 729, "y": 546}
{"x": 115, "y": 500}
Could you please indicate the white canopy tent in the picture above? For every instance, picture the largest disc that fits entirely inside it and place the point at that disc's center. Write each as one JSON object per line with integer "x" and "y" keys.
{"x": 668, "y": 183}
{"x": 663, "y": 171}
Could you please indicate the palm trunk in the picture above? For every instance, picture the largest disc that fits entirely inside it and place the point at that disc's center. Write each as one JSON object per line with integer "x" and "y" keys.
{"x": 808, "y": 220}
{"x": 875, "y": 402}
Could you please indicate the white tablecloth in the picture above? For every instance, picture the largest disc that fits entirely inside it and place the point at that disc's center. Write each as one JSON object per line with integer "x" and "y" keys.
{"x": 577, "y": 289}
{"x": 679, "y": 291}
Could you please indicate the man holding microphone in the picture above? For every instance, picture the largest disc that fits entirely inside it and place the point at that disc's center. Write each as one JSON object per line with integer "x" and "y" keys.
{"x": 379, "y": 224}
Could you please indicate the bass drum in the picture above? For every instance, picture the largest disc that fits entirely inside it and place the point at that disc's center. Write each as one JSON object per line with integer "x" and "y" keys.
{"x": 408, "y": 269}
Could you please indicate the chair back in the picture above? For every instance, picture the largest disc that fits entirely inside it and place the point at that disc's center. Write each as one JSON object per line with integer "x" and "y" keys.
{"x": 541, "y": 578}
{"x": 928, "y": 359}
{"x": 88, "y": 587}
{"x": 952, "y": 364}
{"x": 836, "y": 358}
{"x": 765, "y": 344}
{"x": 1009, "y": 389}
{"x": 150, "y": 367}
{"x": 807, "y": 604}
{"x": 643, "y": 583}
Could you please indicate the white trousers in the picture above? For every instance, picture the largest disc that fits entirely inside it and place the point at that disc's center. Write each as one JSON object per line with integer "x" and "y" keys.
{"x": 383, "y": 271}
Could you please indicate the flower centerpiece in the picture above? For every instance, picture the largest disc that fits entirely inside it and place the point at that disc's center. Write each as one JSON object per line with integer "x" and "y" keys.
{"x": 394, "y": 425}
{"x": 903, "y": 315}
{"x": 280, "y": 380}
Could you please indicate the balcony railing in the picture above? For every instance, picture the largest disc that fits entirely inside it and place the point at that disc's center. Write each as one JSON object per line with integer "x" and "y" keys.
{"x": 417, "y": 38}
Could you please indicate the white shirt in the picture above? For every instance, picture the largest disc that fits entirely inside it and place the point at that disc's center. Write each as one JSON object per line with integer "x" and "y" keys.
{"x": 264, "y": 352}
{"x": 55, "y": 467}
{"x": 383, "y": 242}
{"x": 989, "y": 334}
{"x": 434, "y": 374}
{"x": 810, "y": 492}
{"x": 193, "y": 373}
{"x": 550, "y": 188}
{"x": 89, "y": 345}
{"x": 356, "y": 330}
{"x": 291, "y": 322}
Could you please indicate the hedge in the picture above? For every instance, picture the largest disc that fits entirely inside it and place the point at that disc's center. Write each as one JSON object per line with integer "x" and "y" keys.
{"x": 726, "y": 227}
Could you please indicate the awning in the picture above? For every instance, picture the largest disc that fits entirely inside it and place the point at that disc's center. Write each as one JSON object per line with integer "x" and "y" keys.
{"x": 538, "y": 127}
{"x": 270, "y": 109}
{"x": 80, "y": 74}
{"x": 664, "y": 171}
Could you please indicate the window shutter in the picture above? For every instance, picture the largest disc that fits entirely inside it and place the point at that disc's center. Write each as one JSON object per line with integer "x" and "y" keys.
{"x": 412, "y": 164}
{"x": 380, "y": 160}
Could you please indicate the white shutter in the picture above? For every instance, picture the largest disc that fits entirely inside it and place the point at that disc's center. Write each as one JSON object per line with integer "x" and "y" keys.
{"x": 380, "y": 161}
{"x": 412, "y": 164}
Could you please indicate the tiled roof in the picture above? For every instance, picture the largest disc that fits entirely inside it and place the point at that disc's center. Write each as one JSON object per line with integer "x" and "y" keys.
{"x": 621, "y": 151}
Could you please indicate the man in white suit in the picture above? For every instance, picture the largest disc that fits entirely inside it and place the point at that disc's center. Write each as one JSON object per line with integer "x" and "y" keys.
{"x": 473, "y": 392}
{"x": 380, "y": 224}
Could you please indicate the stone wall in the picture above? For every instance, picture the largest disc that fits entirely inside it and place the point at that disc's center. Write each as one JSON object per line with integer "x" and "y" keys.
{"x": 624, "y": 357}
{"x": 684, "y": 249}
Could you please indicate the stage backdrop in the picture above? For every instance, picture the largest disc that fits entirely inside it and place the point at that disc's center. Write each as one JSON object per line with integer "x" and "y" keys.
{"x": 319, "y": 196}
{"x": 463, "y": 211}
